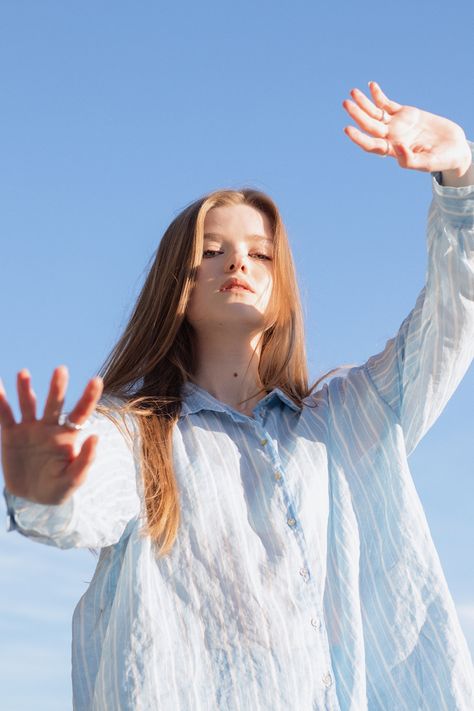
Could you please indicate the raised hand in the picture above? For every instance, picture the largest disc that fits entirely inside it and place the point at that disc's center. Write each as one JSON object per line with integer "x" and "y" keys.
{"x": 417, "y": 139}
{"x": 38, "y": 455}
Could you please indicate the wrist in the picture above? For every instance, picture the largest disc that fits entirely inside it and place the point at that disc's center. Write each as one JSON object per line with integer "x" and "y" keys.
{"x": 462, "y": 175}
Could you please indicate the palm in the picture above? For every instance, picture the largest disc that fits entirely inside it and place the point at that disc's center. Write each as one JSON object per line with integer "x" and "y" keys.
{"x": 422, "y": 131}
{"x": 417, "y": 139}
{"x": 46, "y": 450}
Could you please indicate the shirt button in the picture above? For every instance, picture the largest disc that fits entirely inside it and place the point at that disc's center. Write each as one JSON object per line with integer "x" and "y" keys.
{"x": 327, "y": 679}
{"x": 304, "y": 572}
{"x": 277, "y": 475}
{"x": 291, "y": 521}
{"x": 263, "y": 442}
{"x": 316, "y": 622}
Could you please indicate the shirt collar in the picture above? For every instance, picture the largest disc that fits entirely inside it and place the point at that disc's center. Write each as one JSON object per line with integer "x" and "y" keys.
{"x": 194, "y": 398}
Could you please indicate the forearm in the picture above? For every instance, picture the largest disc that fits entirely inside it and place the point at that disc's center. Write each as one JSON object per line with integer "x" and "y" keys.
{"x": 420, "y": 368}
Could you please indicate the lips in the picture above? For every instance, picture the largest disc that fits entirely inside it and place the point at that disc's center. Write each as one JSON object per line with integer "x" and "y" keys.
{"x": 235, "y": 282}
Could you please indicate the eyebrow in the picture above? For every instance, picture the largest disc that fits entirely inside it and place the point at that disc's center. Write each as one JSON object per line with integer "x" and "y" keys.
{"x": 260, "y": 238}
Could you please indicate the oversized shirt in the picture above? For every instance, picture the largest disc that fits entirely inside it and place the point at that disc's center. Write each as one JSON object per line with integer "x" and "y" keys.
{"x": 304, "y": 575}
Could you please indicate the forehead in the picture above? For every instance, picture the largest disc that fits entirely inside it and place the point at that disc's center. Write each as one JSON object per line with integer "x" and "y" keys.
{"x": 237, "y": 219}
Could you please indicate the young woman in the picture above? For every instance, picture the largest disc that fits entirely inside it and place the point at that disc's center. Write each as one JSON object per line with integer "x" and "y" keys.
{"x": 262, "y": 544}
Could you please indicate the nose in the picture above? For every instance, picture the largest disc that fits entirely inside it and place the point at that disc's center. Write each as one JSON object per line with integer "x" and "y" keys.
{"x": 235, "y": 261}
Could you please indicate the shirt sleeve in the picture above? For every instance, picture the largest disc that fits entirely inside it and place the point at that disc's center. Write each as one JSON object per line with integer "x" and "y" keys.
{"x": 420, "y": 367}
{"x": 97, "y": 513}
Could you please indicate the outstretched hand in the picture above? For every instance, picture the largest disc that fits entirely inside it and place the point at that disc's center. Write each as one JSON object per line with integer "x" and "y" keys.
{"x": 416, "y": 139}
{"x": 39, "y": 456}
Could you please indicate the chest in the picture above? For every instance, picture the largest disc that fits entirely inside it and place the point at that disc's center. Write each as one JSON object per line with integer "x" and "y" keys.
{"x": 253, "y": 483}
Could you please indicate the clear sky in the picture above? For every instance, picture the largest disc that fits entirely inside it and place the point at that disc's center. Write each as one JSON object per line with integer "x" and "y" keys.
{"x": 115, "y": 115}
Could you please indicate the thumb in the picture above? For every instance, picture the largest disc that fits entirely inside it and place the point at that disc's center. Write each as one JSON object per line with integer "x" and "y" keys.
{"x": 79, "y": 466}
{"x": 409, "y": 159}
{"x": 402, "y": 154}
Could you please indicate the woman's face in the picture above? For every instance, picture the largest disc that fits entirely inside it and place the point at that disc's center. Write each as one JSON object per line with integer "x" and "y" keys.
{"x": 238, "y": 242}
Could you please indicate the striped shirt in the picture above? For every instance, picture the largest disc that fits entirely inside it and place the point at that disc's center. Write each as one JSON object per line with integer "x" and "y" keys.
{"x": 304, "y": 575}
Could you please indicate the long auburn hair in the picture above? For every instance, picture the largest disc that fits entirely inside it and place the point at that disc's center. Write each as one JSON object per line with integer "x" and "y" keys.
{"x": 156, "y": 353}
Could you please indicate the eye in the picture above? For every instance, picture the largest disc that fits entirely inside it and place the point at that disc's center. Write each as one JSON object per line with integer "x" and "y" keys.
{"x": 216, "y": 251}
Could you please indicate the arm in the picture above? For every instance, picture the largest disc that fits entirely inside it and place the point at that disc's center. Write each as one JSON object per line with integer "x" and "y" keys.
{"x": 420, "y": 368}
{"x": 98, "y": 511}
{"x": 67, "y": 484}
{"x": 422, "y": 365}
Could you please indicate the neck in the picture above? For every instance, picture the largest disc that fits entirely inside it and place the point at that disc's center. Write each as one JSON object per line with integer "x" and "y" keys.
{"x": 228, "y": 370}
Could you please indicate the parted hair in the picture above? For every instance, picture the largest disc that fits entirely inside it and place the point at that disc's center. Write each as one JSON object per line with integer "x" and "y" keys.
{"x": 156, "y": 353}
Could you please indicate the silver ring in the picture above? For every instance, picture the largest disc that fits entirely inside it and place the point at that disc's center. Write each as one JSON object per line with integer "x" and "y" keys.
{"x": 66, "y": 422}
{"x": 385, "y": 117}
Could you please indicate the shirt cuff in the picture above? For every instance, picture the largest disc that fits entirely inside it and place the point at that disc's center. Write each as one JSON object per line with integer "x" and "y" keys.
{"x": 26, "y": 515}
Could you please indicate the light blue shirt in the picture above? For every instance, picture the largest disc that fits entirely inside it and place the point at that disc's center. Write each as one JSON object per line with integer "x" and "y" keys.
{"x": 304, "y": 575}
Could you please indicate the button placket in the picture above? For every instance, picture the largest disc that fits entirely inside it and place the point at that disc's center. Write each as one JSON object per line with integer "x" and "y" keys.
{"x": 270, "y": 455}
{"x": 277, "y": 474}
{"x": 316, "y": 620}
{"x": 291, "y": 520}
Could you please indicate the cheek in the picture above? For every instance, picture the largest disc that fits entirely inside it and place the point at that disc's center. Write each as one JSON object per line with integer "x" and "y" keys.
{"x": 198, "y": 298}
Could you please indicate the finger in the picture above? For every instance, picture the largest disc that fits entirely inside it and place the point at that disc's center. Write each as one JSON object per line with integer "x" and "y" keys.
{"x": 87, "y": 402}
{"x": 26, "y": 396}
{"x": 382, "y": 101}
{"x": 376, "y": 128}
{"x": 78, "y": 468}
{"x": 6, "y": 414}
{"x": 56, "y": 395}
{"x": 366, "y": 105}
{"x": 369, "y": 144}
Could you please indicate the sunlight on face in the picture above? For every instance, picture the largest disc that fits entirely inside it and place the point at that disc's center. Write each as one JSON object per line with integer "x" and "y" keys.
{"x": 238, "y": 242}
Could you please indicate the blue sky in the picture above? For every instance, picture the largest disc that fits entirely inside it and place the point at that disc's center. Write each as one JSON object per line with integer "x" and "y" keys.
{"x": 115, "y": 115}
